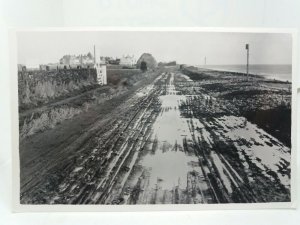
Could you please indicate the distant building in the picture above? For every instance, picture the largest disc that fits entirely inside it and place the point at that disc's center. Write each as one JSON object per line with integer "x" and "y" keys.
{"x": 31, "y": 64}
{"x": 87, "y": 59}
{"x": 112, "y": 61}
{"x": 128, "y": 61}
{"x": 77, "y": 60}
{"x": 65, "y": 60}
{"x": 21, "y": 67}
{"x": 73, "y": 62}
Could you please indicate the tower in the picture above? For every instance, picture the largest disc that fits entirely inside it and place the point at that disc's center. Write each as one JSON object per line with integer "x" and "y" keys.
{"x": 100, "y": 69}
{"x": 94, "y": 54}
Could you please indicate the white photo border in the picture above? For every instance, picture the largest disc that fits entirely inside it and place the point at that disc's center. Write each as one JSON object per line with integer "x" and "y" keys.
{"x": 17, "y": 207}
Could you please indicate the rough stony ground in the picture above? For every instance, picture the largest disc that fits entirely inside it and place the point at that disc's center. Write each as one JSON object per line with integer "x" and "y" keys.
{"x": 156, "y": 146}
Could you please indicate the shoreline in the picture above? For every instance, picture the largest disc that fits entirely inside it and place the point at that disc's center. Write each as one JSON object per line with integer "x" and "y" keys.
{"x": 269, "y": 98}
{"x": 266, "y": 76}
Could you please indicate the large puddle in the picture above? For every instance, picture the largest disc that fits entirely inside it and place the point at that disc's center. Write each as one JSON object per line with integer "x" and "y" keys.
{"x": 168, "y": 169}
{"x": 170, "y": 165}
{"x": 264, "y": 150}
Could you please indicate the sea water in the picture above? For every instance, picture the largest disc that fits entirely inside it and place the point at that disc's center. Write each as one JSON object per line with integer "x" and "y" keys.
{"x": 277, "y": 72}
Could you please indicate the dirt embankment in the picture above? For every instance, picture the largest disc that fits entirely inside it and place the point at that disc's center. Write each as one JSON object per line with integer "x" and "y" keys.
{"x": 63, "y": 107}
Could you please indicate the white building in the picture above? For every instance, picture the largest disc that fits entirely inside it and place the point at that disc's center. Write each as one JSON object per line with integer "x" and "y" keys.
{"x": 86, "y": 60}
{"x": 77, "y": 59}
{"x": 32, "y": 64}
{"x": 100, "y": 67}
{"x": 128, "y": 61}
{"x": 101, "y": 73}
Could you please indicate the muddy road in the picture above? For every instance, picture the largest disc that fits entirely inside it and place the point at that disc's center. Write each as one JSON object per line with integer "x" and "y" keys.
{"x": 160, "y": 147}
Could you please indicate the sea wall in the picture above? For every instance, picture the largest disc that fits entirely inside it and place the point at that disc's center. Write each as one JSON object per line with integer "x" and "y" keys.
{"x": 39, "y": 87}
{"x": 194, "y": 73}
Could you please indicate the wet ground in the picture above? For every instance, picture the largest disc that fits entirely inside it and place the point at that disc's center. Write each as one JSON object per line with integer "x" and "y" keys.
{"x": 160, "y": 149}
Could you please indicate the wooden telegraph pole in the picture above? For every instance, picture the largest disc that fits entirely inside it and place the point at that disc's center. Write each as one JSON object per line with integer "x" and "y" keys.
{"x": 94, "y": 54}
{"x": 247, "y": 48}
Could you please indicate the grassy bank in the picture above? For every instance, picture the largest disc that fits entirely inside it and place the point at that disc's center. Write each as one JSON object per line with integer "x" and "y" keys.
{"x": 39, "y": 118}
{"x": 123, "y": 76}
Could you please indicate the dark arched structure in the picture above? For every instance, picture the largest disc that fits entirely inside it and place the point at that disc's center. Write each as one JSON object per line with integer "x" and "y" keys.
{"x": 143, "y": 66}
{"x": 148, "y": 59}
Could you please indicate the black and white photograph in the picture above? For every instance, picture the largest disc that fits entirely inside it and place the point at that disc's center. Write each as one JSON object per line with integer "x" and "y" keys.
{"x": 147, "y": 117}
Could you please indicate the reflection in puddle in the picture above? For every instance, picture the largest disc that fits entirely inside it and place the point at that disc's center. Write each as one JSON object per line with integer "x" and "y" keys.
{"x": 170, "y": 165}
{"x": 264, "y": 150}
{"x": 169, "y": 168}
{"x": 169, "y": 126}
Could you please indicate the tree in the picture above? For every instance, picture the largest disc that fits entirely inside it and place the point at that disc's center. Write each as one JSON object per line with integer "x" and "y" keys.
{"x": 143, "y": 66}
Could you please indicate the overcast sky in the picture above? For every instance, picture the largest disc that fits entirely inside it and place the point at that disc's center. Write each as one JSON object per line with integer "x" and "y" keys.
{"x": 184, "y": 47}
